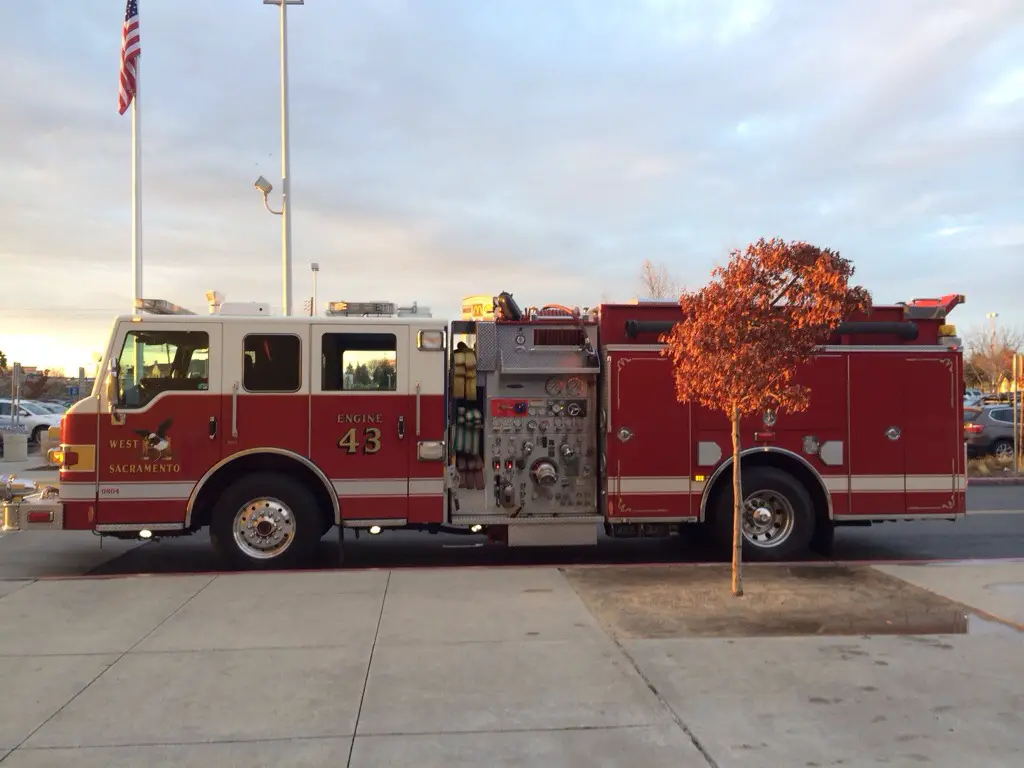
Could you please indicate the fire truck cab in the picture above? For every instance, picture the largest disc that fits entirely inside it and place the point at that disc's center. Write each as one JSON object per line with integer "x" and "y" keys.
{"x": 534, "y": 426}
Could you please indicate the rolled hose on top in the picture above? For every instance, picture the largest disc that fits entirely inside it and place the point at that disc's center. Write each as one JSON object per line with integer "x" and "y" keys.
{"x": 906, "y": 329}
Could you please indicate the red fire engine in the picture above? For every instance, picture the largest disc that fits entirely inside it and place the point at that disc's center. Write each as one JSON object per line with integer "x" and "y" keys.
{"x": 535, "y": 426}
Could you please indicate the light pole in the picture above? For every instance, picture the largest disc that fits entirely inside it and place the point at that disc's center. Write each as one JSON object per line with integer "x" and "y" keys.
{"x": 992, "y": 324}
{"x": 285, "y": 212}
{"x": 315, "y": 269}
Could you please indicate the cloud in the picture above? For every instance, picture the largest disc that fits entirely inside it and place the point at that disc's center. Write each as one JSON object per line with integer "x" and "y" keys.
{"x": 444, "y": 148}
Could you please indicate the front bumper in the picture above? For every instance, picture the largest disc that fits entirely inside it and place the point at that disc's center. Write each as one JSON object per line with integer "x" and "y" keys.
{"x": 25, "y": 506}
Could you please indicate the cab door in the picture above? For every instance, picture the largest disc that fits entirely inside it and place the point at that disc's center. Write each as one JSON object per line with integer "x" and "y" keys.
{"x": 161, "y": 433}
{"x": 362, "y": 417}
{"x": 266, "y": 385}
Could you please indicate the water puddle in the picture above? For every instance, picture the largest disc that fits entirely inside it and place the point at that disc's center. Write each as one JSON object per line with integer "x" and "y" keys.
{"x": 979, "y": 625}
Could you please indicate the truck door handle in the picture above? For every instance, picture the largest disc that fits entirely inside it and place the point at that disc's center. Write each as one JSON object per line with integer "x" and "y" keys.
{"x": 213, "y": 427}
{"x": 401, "y": 427}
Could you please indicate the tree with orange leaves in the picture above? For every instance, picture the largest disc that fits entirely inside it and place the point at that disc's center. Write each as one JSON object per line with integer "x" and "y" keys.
{"x": 745, "y": 334}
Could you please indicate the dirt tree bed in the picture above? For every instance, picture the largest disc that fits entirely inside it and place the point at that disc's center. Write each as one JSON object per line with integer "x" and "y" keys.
{"x": 695, "y": 601}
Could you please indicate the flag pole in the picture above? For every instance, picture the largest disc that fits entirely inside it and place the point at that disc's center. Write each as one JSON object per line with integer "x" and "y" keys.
{"x": 128, "y": 93}
{"x": 136, "y": 194}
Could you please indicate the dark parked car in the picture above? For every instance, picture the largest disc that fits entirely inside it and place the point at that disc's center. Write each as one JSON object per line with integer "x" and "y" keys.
{"x": 988, "y": 431}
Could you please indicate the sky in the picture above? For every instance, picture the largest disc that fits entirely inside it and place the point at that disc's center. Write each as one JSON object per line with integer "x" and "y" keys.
{"x": 444, "y": 148}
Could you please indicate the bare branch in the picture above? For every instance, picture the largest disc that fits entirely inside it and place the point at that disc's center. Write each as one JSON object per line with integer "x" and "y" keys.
{"x": 989, "y": 359}
{"x": 657, "y": 282}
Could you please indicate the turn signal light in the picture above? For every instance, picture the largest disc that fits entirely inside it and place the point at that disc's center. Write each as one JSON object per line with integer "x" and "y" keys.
{"x": 61, "y": 457}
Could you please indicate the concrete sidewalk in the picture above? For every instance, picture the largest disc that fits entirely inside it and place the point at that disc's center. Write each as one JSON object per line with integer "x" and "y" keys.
{"x": 472, "y": 667}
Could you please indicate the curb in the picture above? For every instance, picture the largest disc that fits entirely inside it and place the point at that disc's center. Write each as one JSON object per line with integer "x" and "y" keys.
{"x": 994, "y": 481}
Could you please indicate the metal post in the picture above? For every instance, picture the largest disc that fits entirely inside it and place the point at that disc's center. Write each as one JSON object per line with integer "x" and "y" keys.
{"x": 286, "y": 190}
{"x": 16, "y": 395}
{"x": 286, "y": 203}
{"x": 1015, "y": 405}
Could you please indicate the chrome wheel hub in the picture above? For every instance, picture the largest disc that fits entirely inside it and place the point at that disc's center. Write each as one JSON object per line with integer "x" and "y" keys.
{"x": 768, "y": 519}
{"x": 264, "y": 528}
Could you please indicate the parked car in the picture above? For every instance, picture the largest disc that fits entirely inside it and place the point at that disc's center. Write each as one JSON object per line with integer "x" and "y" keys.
{"x": 988, "y": 431}
{"x": 972, "y": 398}
{"x": 51, "y": 406}
{"x": 33, "y": 417}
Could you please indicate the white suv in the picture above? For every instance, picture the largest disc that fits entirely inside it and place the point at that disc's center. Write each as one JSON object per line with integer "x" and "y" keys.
{"x": 33, "y": 418}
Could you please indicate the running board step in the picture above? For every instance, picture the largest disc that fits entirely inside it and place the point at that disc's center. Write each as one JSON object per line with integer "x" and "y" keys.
{"x": 525, "y": 520}
{"x": 562, "y": 534}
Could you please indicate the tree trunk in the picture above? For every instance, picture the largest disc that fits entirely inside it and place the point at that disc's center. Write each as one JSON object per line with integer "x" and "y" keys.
{"x": 737, "y": 509}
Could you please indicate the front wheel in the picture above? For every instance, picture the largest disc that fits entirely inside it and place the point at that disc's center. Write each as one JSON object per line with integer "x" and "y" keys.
{"x": 266, "y": 521}
{"x": 777, "y": 518}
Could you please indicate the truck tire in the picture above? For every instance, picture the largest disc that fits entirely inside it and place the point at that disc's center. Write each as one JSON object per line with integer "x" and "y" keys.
{"x": 785, "y": 524}
{"x": 266, "y": 521}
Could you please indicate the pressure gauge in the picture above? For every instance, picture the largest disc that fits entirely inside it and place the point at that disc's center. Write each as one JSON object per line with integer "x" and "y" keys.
{"x": 574, "y": 387}
{"x": 554, "y": 386}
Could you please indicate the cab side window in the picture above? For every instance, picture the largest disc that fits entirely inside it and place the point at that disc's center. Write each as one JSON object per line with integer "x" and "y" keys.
{"x": 359, "y": 362}
{"x": 272, "y": 362}
{"x": 151, "y": 362}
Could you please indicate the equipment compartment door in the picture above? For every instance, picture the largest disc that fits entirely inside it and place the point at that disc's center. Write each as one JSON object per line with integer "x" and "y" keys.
{"x": 648, "y": 440}
{"x": 164, "y": 432}
{"x": 362, "y": 417}
{"x": 933, "y": 438}
{"x": 427, "y": 456}
{"x": 878, "y": 433}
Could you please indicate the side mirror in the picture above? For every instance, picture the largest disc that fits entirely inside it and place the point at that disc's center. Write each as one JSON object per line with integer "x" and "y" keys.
{"x": 110, "y": 391}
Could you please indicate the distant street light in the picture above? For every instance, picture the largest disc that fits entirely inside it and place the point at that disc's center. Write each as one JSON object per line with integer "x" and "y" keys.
{"x": 315, "y": 269}
{"x": 992, "y": 325}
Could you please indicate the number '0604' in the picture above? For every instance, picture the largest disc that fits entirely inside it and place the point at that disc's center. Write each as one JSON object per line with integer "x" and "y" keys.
{"x": 351, "y": 442}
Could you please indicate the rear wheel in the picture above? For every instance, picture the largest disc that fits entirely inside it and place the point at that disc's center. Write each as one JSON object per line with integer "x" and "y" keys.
{"x": 777, "y": 518}
{"x": 1003, "y": 450}
{"x": 266, "y": 521}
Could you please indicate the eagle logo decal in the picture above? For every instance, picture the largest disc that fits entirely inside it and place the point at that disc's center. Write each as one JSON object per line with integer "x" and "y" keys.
{"x": 156, "y": 446}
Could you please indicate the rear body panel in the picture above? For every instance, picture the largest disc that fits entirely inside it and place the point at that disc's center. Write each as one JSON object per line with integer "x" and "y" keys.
{"x": 883, "y": 433}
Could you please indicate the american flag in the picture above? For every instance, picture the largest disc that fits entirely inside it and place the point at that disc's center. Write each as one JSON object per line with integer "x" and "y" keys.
{"x": 130, "y": 50}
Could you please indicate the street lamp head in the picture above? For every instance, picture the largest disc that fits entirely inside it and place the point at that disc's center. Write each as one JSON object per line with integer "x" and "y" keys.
{"x": 315, "y": 267}
{"x": 263, "y": 185}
